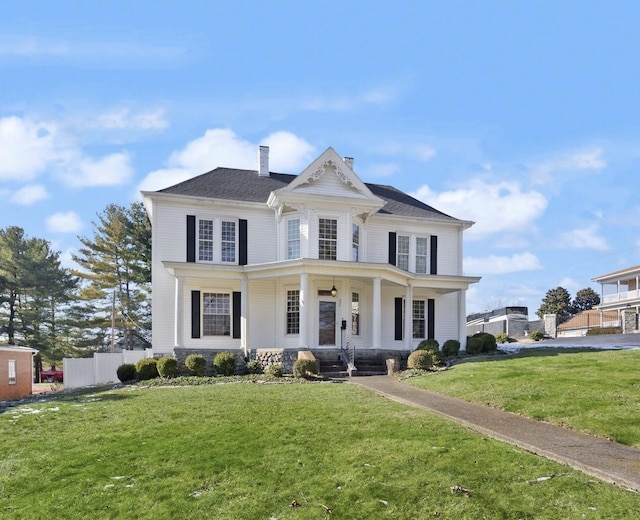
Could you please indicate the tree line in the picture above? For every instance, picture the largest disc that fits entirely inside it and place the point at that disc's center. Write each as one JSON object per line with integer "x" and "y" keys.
{"x": 64, "y": 312}
{"x": 558, "y": 301}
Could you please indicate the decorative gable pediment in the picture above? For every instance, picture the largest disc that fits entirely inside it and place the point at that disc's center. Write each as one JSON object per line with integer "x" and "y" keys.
{"x": 327, "y": 180}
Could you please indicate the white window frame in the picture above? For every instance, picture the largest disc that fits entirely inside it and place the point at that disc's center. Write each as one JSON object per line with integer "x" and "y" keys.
{"x": 355, "y": 242}
{"x": 355, "y": 314}
{"x": 215, "y": 238}
{"x": 419, "y": 313}
{"x": 224, "y": 240}
{"x": 226, "y": 330}
{"x": 403, "y": 254}
{"x": 293, "y": 240}
{"x": 292, "y": 312}
{"x": 206, "y": 240}
{"x": 422, "y": 255}
{"x": 328, "y": 241}
{"x": 13, "y": 374}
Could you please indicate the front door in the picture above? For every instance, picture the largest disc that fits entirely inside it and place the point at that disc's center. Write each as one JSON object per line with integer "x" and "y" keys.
{"x": 327, "y": 323}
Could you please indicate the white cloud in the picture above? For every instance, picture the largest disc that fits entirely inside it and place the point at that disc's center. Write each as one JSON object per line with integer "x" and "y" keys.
{"x": 68, "y": 222}
{"x": 29, "y": 195}
{"x": 495, "y": 208}
{"x": 502, "y": 264}
{"x": 125, "y": 119}
{"x": 570, "y": 285}
{"x": 584, "y": 238}
{"x": 342, "y": 103}
{"x": 26, "y": 147}
{"x": 588, "y": 159}
{"x": 112, "y": 170}
{"x": 222, "y": 147}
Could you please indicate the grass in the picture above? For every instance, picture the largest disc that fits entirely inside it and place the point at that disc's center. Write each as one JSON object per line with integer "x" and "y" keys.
{"x": 595, "y": 391}
{"x": 236, "y": 451}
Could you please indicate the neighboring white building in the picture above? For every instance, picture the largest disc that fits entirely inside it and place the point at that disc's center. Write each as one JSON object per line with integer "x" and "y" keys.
{"x": 253, "y": 261}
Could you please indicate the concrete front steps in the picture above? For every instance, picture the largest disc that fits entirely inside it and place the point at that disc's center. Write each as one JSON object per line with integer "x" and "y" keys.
{"x": 332, "y": 364}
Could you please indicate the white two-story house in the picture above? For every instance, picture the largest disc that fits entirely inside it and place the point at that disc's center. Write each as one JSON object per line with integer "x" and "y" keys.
{"x": 252, "y": 261}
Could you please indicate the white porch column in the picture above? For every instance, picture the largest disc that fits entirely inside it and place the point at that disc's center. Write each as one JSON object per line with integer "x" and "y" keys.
{"x": 462, "y": 318}
{"x": 408, "y": 318}
{"x": 244, "y": 315}
{"x": 178, "y": 309}
{"x": 377, "y": 315}
{"x": 304, "y": 291}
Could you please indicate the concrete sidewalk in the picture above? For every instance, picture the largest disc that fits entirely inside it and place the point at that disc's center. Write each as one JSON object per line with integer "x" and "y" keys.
{"x": 608, "y": 461}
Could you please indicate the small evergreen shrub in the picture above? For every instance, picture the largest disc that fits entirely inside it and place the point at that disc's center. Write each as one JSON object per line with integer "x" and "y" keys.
{"x": 536, "y": 335}
{"x": 273, "y": 370}
{"x": 253, "y": 367}
{"x": 474, "y": 345}
{"x": 502, "y": 338}
{"x": 126, "y": 372}
{"x": 429, "y": 344}
{"x": 487, "y": 342}
{"x": 451, "y": 348}
{"x": 147, "y": 369}
{"x": 195, "y": 364}
{"x": 167, "y": 367}
{"x": 421, "y": 360}
{"x": 305, "y": 368}
{"x": 225, "y": 363}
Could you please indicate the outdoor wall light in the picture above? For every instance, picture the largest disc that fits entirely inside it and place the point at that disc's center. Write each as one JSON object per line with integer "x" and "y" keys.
{"x": 334, "y": 291}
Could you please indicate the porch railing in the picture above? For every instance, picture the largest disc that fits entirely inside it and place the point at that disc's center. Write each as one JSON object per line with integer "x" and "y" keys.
{"x": 622, "y": 296}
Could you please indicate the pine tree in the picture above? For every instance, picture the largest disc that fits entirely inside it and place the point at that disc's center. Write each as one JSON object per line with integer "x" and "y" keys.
{"x": 557, "y": 301}
{"x": 585, "y": 299}
{"x": 116, "y": 271}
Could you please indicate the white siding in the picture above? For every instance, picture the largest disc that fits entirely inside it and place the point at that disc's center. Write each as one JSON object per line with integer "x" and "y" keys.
{"x": 263, "y": 314}
{"x": 330, "y": 184}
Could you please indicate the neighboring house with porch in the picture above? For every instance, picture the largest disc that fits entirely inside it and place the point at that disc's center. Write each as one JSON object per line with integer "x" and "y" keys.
{"x": 16, "y": 372}
{"x": 267, "y": 264}
{"x": 620, "y": 292}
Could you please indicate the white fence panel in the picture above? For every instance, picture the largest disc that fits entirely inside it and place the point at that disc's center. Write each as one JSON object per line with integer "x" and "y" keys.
{"x": 78, "y": 372}
{"x": 101, "y": 369}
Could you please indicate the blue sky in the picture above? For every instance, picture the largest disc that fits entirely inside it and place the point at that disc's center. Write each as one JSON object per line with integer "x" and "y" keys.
{"x": 521, "y": 116}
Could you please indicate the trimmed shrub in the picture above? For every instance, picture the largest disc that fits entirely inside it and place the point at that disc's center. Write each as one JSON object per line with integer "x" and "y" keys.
{"x": 599, "y": 331}
{"x": 167, "y": 367}
{"x": 224, "y": 363}
{"x": 474, "y": 345}
{"x": 147, "y": 369}
{"x": 305, "y": 368}
{"x": 487, "y": 342}
{"x": 502, "y": 338}
{"x": 421, "y": 360}
{"x": 429, "y": 344}
{"x": 273, "y": 370}
{"x": 195, "y": 364}
{"x": 253, "y": 367}
{"x": 451, "y": 348}
{"x": 536, "y": 335}
{"x": 126, "y": 372}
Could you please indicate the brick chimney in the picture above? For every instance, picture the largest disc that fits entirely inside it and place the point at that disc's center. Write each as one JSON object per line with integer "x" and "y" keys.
{"x": 263, "y": 161}
{"x": 349, "y": 162}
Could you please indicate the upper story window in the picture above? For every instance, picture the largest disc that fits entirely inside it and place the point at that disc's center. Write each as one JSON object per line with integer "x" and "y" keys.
{"x": 421, "y": 255}
{"x": 355, "y": 242}
{"x": 205, "y": 240}
{"x": 403, "y": 252}
{"x": 328, "y": 239}
{"x": 228, "y": 241}
{"x": 293, "y": 238}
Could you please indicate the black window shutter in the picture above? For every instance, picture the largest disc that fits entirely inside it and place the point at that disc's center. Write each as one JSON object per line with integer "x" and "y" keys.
{"x": 392, "y": 248}
{"x": 242, "y": 230}
{"x": 195, "y": 314}
{"x": 434, "y": 254}
{"x": 237, "y": 304}
{"x": 398, "y": 318}
{"x": 431, "y": 318}
{"x": 191, "y": 238}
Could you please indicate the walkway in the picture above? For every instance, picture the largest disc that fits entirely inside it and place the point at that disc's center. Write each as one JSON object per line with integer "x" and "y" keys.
{"x": 608, "y": 461}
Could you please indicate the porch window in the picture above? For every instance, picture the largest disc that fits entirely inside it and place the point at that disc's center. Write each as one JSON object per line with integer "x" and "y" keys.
{"x": 216, "y": 314}
{"x": 12, "y": 371}
{"x": 355, "y": 314}
{"x": 403, "y": 252}
{"x": 228, "y": 241}
{"x": 205, "y": 240}
{"x": 355, "y": 242}
{"x": 293, "y": 312}
{"x": 421, "y": 255}
{"x": 293, "y": 238}
{"x": 418, "y": 319}
{"x": 328, "y": 239}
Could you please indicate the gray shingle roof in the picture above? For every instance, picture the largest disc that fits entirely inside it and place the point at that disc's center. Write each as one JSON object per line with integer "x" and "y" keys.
{"x": 248, "y": 186}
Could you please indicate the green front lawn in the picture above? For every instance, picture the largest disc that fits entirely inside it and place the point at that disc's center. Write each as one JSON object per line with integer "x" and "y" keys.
{"x": 596, "y": 391}
{"x": 271, "y": 451}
